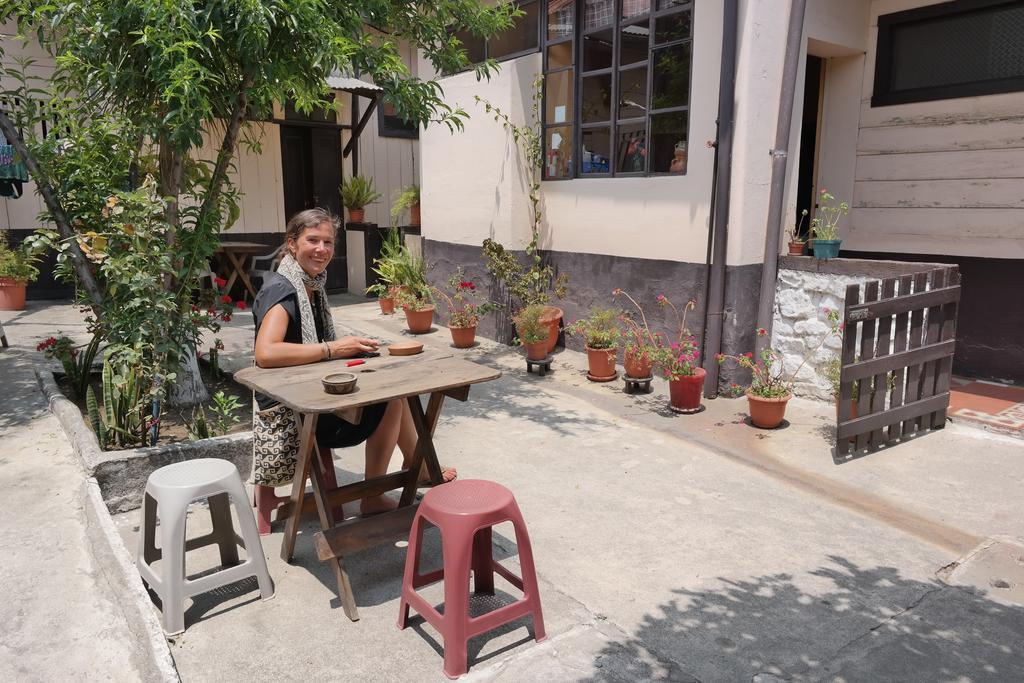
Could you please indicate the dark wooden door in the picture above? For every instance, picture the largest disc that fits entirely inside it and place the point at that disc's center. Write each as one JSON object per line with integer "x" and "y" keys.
{"x": 311, "y": 170}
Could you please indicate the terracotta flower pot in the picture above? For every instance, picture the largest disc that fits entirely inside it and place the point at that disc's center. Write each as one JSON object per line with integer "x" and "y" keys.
{"x": 552, "y": 317}
{"x": 853, "y": 408}
{"x": 463, "y": 337}
{"x": 637, "y": 365}
{"x": 536, "y": 350}
{"x": 387, "y": 305}
{"x": 356, "y": 215}
{"x": 414, "y": 214}
{"x": 684, "y": 393}
{"x": 796, "y": 248}
{"x": 601, "y": 364}
{"x": 12, "y": 294}
{"x": 420, "y": 321}
{"x": 767, "y": 413}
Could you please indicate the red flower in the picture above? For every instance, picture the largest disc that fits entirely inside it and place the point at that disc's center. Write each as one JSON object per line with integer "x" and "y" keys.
{"x": 195, "y": 309}
{"x": 661, "y": 297}
{"x": 240, "y": 305}
{"x": 220, "y": 282}
{"x": 761, "y": 332}
{"x": 226, "y": 299}
{"x": 226, "y": 317}
{"x": 748, "y": 354}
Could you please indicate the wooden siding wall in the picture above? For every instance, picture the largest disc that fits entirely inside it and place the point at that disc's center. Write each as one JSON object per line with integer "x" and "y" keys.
{"x": 940, "y": 177}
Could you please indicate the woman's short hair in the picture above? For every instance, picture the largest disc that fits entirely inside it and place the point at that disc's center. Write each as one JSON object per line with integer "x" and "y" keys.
{"x": 309, "y": 218}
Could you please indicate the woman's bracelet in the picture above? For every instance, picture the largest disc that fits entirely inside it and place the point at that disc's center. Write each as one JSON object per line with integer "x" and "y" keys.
{"x": 327, "y": 351}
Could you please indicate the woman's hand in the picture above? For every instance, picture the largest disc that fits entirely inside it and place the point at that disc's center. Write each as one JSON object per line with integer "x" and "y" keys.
{"x": 346, "y": 347}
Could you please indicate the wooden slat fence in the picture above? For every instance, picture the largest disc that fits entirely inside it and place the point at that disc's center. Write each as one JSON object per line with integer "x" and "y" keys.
{"x": 897, "y": 358}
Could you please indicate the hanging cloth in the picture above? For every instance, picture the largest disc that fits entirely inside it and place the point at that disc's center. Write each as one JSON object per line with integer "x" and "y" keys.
{"x": 13, "y": 173}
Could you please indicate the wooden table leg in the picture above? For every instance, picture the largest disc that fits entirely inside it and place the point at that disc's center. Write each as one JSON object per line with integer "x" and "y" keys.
{"x": 425, "y": 453}
{"x": 307, "y": 442}
{"x": 238, "y": 264}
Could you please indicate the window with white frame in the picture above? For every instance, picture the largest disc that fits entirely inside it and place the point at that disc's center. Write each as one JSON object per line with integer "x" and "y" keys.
{"x": 617, "y": 87}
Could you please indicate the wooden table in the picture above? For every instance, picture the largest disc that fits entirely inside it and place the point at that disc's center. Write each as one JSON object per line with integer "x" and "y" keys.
{"x": 235, "y": 256}
{"x": 436, "y": 373}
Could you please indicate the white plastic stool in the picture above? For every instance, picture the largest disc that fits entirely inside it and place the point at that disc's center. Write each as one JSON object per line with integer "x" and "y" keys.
{"x": 170, "y": 490}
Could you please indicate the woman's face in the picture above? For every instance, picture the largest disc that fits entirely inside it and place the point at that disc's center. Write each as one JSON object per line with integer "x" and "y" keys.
{"x": 314, "y": 248}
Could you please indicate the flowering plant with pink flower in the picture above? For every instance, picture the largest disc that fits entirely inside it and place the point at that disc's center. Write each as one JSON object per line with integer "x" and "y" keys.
{"x": 674, "y": 358}
{"x": 465, "y": 304}
{"x": 769, "y": 378}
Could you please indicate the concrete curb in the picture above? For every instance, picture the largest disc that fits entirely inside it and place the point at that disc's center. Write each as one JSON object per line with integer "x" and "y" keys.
{"x": 122, "y": 475}
{"x": 153, "y": 657}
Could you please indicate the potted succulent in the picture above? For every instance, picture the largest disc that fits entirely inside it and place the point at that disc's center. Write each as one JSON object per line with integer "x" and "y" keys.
{"x": 600, "y": 331}
{"x": 679, "y": 362}
{"x": 418, "y": 303}
{"x": 533, "y": 334}
{"x": 356, "y": 193}
{"x": 771, "y": 386}
{"x": 465, "y": 308}
{"x": 641, "y": 343}
{"x": 825, "y": 226}
{"x": 17, "y": 269}
{"x": 407, "y": 198}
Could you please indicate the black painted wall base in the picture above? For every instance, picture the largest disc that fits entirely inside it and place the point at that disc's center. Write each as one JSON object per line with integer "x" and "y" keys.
{"x": 592, "y": 277}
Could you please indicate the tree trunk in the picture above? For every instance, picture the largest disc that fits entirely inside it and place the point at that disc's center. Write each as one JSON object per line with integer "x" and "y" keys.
{"x": 188, "y": 388}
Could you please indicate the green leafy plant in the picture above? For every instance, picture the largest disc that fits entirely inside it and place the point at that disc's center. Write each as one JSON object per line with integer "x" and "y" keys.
{"x": 386, "y": 266}
{"x": 92, "y": 407}
{"x": 122, "y": 422}
{"x": 415, "y": 297}
{"x": 407, "y": 197}
{"x": 825, "y": 224}
{"x": 358, "y": 191}
{"x": 600, "y": 330}
{"x": 465, "y": 304}
{"x": 769, "y": 378}
{"x": 77, "y": 364}
{"x": 527, "y": 320}
{"x": 224, "y": 409}
{"x": 17, "y": 263}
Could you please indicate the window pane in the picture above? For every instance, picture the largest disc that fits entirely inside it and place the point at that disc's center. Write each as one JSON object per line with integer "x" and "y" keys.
{"x": 522, "y": 36}
{"x": 633, "y": 43}
{"x": 672, "y": 27}
{"x": 560, "y": 18}
{"x": 596, "y": 150}
{"x": 668, "y": 142}
{"x": 634, "y": 8}
{"x": 598, "y": 13}
{"x": 560, "y": 55}
{"x": 632, "y": 93}
{"x": 668, "y": 4}
{"x": 473, "y": 45}
{"x": 558, "y": 97}
{"x": 597, "y": 98}
{"x": 597, "y": 50}
{"x": 632, "y": 149}
{"x": 671, "y": 82}
{"x": 558, "y": 152}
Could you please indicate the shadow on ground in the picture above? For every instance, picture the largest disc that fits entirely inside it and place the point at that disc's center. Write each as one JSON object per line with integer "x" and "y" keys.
{"x": 864, "y": 624}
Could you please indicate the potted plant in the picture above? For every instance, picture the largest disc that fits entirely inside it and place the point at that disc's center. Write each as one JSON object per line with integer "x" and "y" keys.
{"x": 678, "y": 361}
{"x": 641, "y": 344}
{"x": 600, "y": 331}
{"x": 418, "y": 303}
{"x": 825, "y": 226}
{"x": 17, "y": 269}
{"x": 356, "y": 193}
{"x": 794, "y": 238}
{"x": 465, "y": 308}
{"x": 386, "y": 268}
{"x": 533, "y": 334}
{"x": 407, "y": 198}
{"x": 770, "y": 386}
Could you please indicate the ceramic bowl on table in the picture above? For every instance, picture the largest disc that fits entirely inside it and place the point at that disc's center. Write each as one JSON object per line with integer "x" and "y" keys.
{"x": 339, "y": 382}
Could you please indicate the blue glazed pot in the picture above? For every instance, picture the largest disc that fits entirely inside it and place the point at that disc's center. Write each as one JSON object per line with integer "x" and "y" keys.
{"x": 826, "y": 249}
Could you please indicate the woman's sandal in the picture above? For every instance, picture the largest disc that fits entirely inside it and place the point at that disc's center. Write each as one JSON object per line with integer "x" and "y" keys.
{"x": 449, "y": 474}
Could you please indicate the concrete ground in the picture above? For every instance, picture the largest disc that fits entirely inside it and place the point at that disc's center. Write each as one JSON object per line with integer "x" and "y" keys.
{"x": 668, "y": 547}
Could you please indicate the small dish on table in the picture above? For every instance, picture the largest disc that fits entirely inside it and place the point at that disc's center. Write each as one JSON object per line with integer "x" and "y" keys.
{"x": 339, "y": 382}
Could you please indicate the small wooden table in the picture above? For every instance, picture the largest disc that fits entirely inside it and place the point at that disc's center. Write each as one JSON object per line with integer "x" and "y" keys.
{"x": 235, "y": 256}
{"x": 436, "y": 373}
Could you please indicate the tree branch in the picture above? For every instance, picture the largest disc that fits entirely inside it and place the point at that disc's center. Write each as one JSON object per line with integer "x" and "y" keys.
{"x": 53, "y": 205}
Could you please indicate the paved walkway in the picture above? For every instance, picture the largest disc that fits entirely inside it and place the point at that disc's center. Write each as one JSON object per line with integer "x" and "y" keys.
{"x": 669, "y": 547}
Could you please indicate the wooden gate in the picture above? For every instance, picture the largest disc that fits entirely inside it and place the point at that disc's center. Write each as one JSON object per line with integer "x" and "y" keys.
{"x": 897, "y": 382}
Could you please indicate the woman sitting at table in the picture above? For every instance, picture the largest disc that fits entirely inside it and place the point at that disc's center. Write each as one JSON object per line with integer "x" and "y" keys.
{"x": 294, "y": 327}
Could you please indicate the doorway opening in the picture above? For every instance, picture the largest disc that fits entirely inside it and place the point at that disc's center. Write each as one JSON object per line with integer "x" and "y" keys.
{"x": 810, "y": 139}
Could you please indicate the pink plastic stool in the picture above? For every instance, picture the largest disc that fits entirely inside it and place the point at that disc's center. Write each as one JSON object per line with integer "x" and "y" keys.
{"x": 266, "y": 501}
{"x": 464, "y": 511}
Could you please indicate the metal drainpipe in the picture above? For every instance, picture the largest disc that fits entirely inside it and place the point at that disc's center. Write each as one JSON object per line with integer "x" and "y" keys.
{"x": 780, "y": 154}
{"x": 714, "y": 316}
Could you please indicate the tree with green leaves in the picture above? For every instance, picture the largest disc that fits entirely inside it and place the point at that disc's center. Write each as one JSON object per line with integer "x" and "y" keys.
{"x": 160, "y": 77}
